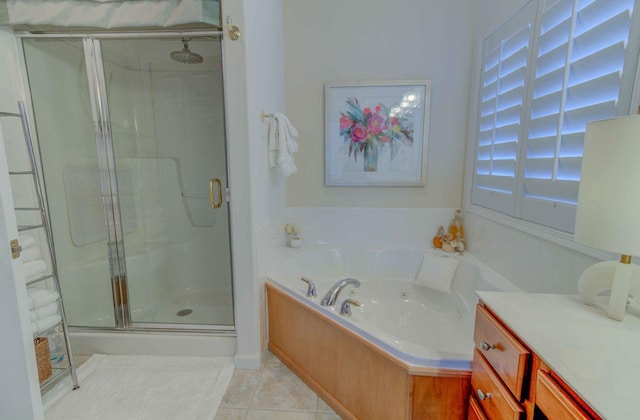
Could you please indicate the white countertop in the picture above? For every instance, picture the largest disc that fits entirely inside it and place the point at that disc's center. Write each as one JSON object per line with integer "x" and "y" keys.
{"x": 598, "y": 357}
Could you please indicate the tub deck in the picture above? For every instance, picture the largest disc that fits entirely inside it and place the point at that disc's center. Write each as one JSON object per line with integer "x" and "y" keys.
{"x": 356, "y": 378}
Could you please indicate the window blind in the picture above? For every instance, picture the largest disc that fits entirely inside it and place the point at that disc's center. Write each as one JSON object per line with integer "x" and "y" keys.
{"x": 581, "y": 67}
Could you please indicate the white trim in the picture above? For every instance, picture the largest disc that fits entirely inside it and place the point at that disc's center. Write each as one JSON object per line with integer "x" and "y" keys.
{"x": 247, "y": 361}
{"x": 149, "y": 343}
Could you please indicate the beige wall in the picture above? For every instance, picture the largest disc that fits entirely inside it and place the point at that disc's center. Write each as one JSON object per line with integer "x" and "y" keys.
{"x": 373, "y": 40}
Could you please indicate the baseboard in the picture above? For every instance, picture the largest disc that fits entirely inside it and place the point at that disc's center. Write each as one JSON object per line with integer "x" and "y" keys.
{"x": 247, "y": 361}
{"x": 156, "y": 344}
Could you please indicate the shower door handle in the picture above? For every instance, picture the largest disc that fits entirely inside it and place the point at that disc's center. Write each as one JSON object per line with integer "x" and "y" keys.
{"x": 212, "y": 201}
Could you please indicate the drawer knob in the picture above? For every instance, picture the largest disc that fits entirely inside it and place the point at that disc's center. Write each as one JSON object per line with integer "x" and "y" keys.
{"x": 482, "y": 395}
{"x": 486, "y": 346}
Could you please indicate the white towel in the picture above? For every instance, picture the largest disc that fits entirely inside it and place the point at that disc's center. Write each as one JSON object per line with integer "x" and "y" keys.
{"x": 437, "y": 272}
{"x": 30, "y": 253}
{"x": 32, "y": 315}
{"x": 45, "y": 324}
{"x": 282, "y": 144}
{"x": 26, "y": 241}
{"x": 38, "y": 298}
{"x": 34, "y": 269}
{"x": 45, "y": 311}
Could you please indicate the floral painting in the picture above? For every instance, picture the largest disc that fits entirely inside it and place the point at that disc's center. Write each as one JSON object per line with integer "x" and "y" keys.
{"x": 375, "y": 133}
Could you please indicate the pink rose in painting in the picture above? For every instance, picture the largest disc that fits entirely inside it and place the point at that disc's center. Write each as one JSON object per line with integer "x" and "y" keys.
{"x": 384, "y": 139}
{"x": 367, "y": 111}
{"x": 375, "y": 124}
{"x": 345, "y": 123}
{"x": 378, "y": 108}
{"x": 359, "y": 133}
{"x": 394, "y": 120}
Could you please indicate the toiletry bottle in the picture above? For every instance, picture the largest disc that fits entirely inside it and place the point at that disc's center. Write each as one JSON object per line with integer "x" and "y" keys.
{"x": 456, "y": 225}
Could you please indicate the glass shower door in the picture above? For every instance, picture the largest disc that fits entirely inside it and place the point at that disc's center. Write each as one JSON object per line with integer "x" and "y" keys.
{"x": 67, "y": 146}
{"x": 134, "y": 160}
{"x": 167, "y": 129}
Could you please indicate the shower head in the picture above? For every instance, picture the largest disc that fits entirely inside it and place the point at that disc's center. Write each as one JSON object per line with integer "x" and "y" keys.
{"x": 186, "y": 56}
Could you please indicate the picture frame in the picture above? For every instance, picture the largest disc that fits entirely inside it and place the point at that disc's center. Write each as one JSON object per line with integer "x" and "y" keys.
{"x": 376, "y": 133}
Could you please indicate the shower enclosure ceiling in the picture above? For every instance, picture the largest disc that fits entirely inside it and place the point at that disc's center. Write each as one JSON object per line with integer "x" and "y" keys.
{"x": 132, "y": 145}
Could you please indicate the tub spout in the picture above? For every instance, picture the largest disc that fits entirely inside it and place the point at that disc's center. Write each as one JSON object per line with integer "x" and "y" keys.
{"x": 332, "y": 295}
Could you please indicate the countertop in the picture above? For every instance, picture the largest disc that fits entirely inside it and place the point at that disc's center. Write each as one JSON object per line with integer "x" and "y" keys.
{"x": 598, "y": 357}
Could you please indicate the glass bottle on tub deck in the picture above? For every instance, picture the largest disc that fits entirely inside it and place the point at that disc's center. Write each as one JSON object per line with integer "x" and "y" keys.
{"x": 456, "y": 226}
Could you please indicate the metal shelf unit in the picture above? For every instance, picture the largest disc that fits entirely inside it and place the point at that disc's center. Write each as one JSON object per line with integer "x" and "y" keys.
{"x": 59, "y": 369}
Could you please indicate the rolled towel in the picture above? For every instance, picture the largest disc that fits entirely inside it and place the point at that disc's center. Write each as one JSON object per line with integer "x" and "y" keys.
{"x": 30, "y": 254}
{"x": 34, "y": 269}
{"x": 47, "y": 323}
{"x": 437, "y": 272}
{"x": 40, "y": 297}
{"x": 45, "y": 311}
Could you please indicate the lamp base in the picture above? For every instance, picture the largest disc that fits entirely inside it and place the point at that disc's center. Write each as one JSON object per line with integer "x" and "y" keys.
{"x": 621, "y": 279}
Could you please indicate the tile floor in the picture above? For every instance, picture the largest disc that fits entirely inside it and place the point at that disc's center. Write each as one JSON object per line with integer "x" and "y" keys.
{"x": 271, "y": 393}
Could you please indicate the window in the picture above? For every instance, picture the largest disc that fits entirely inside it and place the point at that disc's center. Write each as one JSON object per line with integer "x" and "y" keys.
{"x": 546, "y": 73}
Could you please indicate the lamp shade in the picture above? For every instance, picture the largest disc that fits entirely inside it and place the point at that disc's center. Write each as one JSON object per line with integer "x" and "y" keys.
{"x": 608, "y": 215}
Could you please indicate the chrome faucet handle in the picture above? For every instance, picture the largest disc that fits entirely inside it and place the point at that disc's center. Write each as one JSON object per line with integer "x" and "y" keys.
{"x": 311, "y": 288}
{"x": 345, "y": 308}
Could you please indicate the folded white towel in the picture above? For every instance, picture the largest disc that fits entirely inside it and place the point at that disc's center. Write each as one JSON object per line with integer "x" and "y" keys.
{"x": 45, "y": 311}
{"x": 38, "y": 298}
{"x": 34, "y": 269}
{"x": 26, "y": 241}
{"x": 30, "y": 253}
{"x": 282, "y": 144}
{"x": 45, "y": 324}
{"x": 32, "y": 315}
{"x": 437, "y": 272}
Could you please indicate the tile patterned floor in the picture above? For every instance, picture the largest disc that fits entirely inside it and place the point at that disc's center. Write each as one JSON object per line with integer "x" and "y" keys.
{"x": 271, "y": 393}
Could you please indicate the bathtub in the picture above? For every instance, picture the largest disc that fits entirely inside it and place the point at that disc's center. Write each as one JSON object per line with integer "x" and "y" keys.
{"x": 422, "y": 332}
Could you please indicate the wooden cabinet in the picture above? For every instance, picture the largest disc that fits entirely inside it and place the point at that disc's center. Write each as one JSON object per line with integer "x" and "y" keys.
{"x": 492, "y": 395}
{"x": 554, "y": 402}
{"x": 509, "y": 381}
{"x": 505, "y": 354}
{"x": 475, "y": 412}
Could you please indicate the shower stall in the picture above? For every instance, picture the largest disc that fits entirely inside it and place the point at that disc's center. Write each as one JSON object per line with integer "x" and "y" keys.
{"x": 131, "y": 136}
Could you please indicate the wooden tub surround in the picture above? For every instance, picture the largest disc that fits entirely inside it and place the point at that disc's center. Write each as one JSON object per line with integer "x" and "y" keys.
{"x": 356, "y": 378}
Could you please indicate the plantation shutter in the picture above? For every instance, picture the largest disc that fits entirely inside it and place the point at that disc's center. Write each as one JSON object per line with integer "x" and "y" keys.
{"x": 505, "y": 64}
{"x": 580, "y": 58}
{"x": 551, "y": 69}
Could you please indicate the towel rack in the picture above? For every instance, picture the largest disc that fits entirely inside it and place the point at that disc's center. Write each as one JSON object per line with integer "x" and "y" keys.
{"x": 264, "y": 115}
{"x": 44, "y": 222}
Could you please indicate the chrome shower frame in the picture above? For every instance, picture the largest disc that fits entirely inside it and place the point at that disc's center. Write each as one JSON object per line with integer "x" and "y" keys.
{"x": 106, "y": 161}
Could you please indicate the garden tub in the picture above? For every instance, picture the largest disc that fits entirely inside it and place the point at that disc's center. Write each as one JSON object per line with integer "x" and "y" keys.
{"x": 405, "y": 352}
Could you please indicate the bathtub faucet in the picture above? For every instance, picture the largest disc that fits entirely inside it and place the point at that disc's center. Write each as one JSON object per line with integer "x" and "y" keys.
{"x": 332, "y": 295}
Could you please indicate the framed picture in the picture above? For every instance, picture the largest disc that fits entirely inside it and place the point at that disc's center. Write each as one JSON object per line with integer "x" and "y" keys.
{"x": 376, "y": 133}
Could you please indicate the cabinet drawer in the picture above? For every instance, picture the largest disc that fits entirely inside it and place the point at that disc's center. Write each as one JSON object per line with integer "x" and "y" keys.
{"x": 506, "y": 355}
{"x": 494, "y": 398}
{"x": 475, "y": 412}
{"x": 554, "y": 402}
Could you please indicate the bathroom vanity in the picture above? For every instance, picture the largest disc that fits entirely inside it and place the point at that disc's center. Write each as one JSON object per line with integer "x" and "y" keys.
{"x": 542, "y": 355}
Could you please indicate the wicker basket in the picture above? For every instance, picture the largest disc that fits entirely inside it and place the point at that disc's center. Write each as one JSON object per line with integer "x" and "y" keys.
{"x": 43, "y": 358}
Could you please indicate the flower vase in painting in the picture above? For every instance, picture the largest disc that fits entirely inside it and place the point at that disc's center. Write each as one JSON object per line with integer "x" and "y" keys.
{"x": 368, "y": 130}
